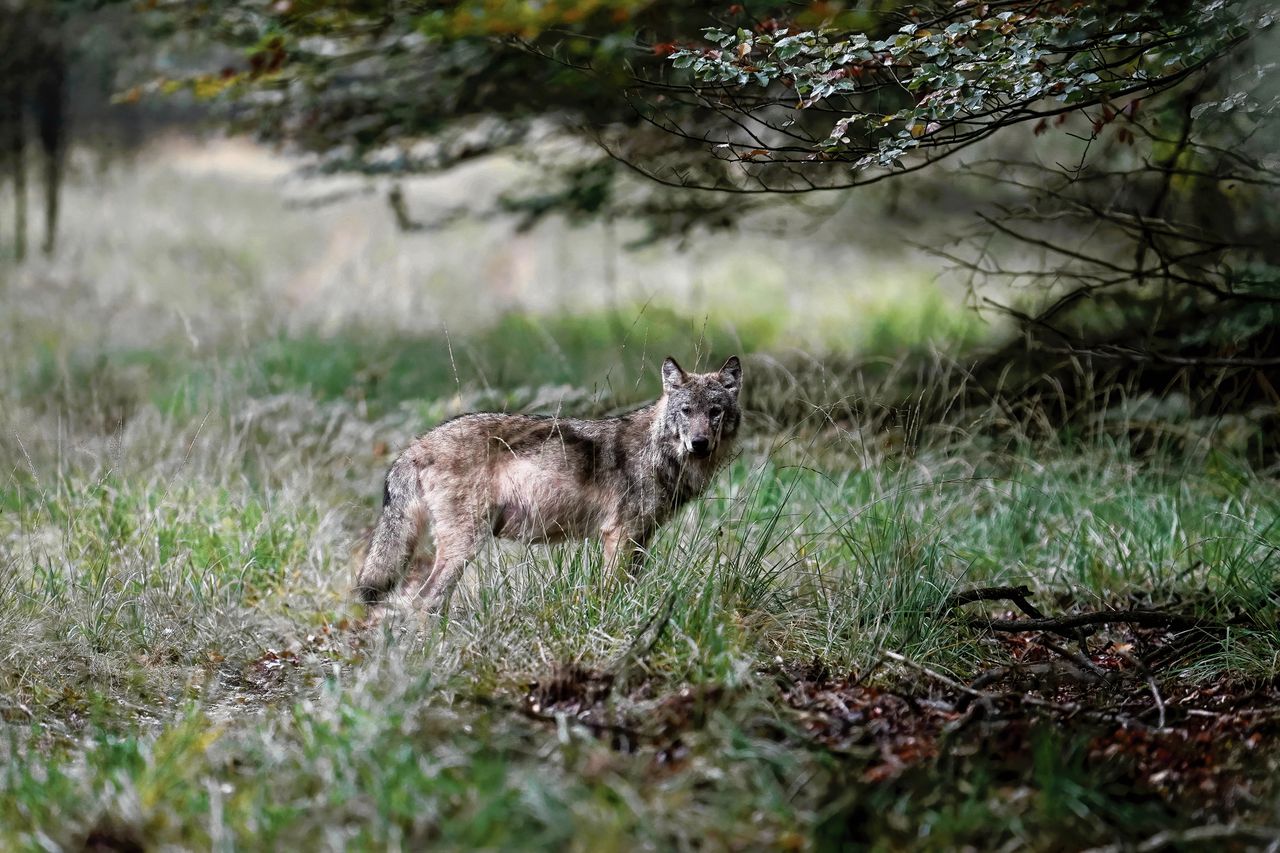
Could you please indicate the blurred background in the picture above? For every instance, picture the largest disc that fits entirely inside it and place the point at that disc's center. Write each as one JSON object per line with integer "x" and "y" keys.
{"x": 462, "y": 200}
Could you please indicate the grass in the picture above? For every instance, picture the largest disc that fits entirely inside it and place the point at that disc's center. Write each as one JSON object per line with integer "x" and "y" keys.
{"x": 181, "y": 664}
{"x": 179, "y": 660}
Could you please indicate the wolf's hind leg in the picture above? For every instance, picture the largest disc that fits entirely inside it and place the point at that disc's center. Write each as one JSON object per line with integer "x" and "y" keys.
{"x": 455, "y": 548}
{"x": 396, "y": 535}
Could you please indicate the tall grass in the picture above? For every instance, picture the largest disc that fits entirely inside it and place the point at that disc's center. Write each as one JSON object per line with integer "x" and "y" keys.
{"x": 186, "y": 572}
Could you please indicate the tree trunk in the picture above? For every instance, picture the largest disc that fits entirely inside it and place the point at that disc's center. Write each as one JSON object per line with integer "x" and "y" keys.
{"x": 51, "y": 120}
{"x": 15, "y": 152}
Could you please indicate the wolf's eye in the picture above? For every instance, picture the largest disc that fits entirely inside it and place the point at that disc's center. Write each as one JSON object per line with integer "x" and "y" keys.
{"x": 715, "y": 411}
{"x": 684, "y": 410}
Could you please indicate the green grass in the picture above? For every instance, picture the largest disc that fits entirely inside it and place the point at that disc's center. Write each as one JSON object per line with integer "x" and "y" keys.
{"x": 598, "y": 356}
{"x": 584, "y": 363}
{"x": 181, "y": 664}
{"x": 178, "y": 663}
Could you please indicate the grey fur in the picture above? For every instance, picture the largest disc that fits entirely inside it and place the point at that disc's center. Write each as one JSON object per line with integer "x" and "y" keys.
{"x": 547, "y": 479}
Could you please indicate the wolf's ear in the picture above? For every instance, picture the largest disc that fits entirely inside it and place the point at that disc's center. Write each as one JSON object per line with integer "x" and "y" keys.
{"x": 673, "y": 376}
{"x": 731, "y": 375}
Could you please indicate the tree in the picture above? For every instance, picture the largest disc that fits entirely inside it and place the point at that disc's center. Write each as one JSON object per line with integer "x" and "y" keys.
{"x": 58, "y": 60}
{"x": 1172, "y": 178}
{"x": 391, "y": 88}
{"x": 1159, "y": 111}
{"x": 33, "y": 73}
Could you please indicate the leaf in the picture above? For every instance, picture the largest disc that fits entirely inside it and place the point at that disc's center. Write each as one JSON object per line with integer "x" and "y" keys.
{"x": 788, "y": 48}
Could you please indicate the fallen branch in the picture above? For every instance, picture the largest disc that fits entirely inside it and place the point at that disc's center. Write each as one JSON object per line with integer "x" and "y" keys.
{"x": 558, "y": 718}
{"x": 1037, "y": 673}
{"x": 1145, "y": 618}
{"x": 1019, "y": 595}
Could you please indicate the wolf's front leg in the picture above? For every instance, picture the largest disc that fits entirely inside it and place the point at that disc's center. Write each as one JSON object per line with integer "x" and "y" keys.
{"x": 624, "y": 551}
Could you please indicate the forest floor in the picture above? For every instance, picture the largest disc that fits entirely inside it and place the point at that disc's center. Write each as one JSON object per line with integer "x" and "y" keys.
{"x": 873, "y": 632}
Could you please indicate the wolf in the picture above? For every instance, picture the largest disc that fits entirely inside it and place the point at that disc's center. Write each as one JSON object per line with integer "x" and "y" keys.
{"x": 544, "y": 479}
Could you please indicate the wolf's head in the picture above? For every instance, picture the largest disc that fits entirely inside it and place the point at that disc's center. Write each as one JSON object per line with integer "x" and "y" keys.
{"x": 702, "y": 411}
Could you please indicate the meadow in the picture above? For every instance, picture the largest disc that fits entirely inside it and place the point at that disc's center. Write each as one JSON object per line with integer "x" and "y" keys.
{"x": 202, "y": 393}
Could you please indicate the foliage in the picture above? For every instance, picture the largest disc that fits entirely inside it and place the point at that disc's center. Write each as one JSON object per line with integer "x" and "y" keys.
{"x": 182, "y": 581}
{"x": 947, "y": 80}
{"x": 365, "y": 75}
{"x": 366, "y": 83}
{"x": 1170, "y": 178}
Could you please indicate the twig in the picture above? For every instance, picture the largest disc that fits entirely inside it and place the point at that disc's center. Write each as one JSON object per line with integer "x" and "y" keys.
{"x": 992, "y": 676}
{"x": 1215, "y": 832}
{"x": 1079, "y": 660}
{"x": 554, "y": 717}
{"x": 646, "y": 638}
{"x": 1155, "y": 694}
{"x": 1151, "y": 682}
{"x": 981, "y": 696}
{"x": 1120, "y": 353}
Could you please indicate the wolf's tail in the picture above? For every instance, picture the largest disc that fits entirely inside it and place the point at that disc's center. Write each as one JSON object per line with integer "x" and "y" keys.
{"x": 396, "y": 535}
